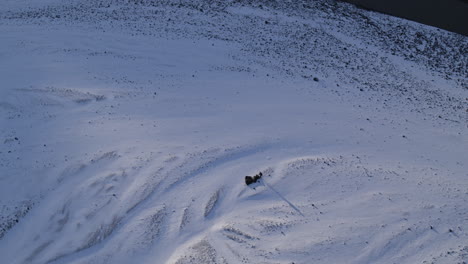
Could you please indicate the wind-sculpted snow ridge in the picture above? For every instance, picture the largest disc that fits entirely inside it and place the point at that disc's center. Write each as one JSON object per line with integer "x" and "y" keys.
{"x": 73, "y": 95}
{"x": 127, "y": 129}
{"x": 303, "y": 207}
{"x": 264, "y": 229}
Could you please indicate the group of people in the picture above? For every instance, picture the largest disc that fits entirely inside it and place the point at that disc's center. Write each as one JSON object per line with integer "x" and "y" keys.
{"x": 252, "y": 179}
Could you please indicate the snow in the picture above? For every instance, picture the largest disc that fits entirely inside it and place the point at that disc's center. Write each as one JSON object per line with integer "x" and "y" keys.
{"x": 127, "y": 128}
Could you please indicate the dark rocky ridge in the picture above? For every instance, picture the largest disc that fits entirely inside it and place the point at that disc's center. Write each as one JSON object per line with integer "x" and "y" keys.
{"x": 450, "y": 15}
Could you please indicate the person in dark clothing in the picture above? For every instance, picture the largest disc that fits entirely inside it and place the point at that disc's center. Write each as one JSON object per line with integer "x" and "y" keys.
{"x": 249, "y": 179}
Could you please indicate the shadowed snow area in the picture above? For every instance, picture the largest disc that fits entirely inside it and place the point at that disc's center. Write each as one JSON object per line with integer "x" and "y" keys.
{"x": 127, "y": 128}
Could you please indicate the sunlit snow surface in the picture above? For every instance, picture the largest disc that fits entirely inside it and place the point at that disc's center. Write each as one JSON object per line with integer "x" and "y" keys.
{"x": 127, "y": 127}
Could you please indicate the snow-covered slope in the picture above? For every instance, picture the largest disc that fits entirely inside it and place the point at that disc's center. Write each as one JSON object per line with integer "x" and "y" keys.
{"x": 127, "y": 128}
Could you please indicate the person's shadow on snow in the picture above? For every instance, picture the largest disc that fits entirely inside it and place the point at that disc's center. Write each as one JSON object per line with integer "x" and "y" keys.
{"x": 255, "y": 181}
